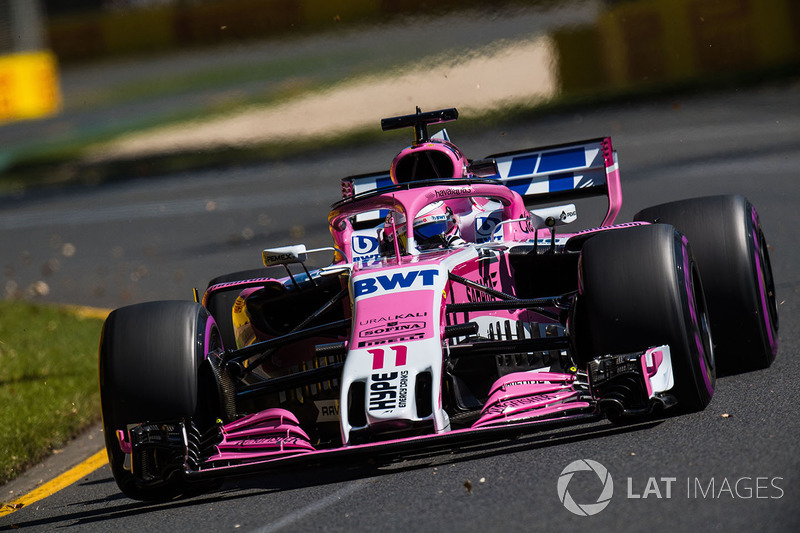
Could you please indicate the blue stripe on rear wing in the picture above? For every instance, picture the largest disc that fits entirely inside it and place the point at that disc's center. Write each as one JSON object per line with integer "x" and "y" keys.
{"x": 563, "y": 172}
{"x": 354, "y": 185}
{"x": 539, "y": 175}
{"x": 568, "y": 170}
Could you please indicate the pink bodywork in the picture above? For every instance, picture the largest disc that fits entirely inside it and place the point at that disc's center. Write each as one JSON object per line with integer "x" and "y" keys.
{"x": 269, "y": 433}
{"x": 526, "y": 395}
{"x": 251, "y": 442}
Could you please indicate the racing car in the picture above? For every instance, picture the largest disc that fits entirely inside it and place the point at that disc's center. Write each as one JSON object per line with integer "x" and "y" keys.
{"x": 456, "y": 307}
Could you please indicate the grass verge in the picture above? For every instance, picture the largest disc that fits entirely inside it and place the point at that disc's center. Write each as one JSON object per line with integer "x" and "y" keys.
{"x": 48, "y": 381}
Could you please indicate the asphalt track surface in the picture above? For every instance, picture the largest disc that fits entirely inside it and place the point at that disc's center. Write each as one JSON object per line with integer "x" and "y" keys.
{"x": 732, "y": 467}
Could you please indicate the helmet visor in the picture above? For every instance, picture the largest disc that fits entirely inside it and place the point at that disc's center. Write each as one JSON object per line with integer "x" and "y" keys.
{"x": 432, "y": 226}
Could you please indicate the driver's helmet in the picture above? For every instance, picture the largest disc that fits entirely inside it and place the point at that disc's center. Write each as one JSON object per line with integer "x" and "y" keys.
{"x": 435, "y": 226}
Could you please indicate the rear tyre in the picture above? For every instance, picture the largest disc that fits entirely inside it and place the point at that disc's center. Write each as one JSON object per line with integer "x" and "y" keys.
{"x": 733, "y": 258}
{"x": 639, "y": 288}
{"x": 150, "y": 360}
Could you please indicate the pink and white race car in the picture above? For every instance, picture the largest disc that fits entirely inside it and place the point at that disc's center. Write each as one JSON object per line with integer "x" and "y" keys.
{"x": 455, "y": 309}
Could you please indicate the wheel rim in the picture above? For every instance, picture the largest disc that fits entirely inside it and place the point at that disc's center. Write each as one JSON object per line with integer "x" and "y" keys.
{"x": 767, "y": 288}
{"x": 704, "y": 341}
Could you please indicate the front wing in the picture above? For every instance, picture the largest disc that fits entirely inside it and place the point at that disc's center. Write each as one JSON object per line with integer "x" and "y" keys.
{"x": 613, "y": 386}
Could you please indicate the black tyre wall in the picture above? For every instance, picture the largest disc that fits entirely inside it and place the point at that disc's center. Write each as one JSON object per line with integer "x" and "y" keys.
{"x": 733, "y": 258}
{"x": 150, "y": 355}
{"x": 639, "y": 288}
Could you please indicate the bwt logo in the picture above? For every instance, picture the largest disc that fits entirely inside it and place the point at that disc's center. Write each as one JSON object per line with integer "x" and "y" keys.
{"x": 485, "y": 226}
{"x": 398, "y": 280}
{"x": 363, "y": 244}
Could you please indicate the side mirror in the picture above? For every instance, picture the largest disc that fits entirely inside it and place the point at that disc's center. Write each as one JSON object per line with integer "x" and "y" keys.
{"x": 483, "y": 168}
{"x": 559, "y": 215}
{"x": 285, "y": 255}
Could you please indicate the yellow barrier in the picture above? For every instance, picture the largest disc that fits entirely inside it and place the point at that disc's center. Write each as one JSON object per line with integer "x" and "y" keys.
{"x": 663, "y": 42}
{"x": 29, "y": 86}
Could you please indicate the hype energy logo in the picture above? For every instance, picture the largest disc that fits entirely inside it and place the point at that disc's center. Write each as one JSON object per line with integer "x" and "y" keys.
{"x": 603, "y": 479}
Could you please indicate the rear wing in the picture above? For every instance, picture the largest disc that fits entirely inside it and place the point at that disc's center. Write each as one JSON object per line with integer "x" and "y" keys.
{"x": 564, "y": 172}
{"x": 353, "y": 185}
{"x": 540, "y": 175}
{"x": 361, "y": 183}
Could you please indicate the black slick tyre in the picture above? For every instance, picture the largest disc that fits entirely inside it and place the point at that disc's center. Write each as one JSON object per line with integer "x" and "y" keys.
{"x": 150, "y": 360}
{"x": 640, "y": 288}
{"x": 732, "y": 254}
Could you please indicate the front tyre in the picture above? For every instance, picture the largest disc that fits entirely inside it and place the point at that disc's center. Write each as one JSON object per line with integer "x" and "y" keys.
{"x": 639, "y": 288}
{"x": 150, "y": 360}
{"x": 731, "y": 251}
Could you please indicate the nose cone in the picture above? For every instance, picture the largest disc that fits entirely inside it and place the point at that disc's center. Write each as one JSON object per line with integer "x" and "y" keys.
{"x": 392, "y": 374}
